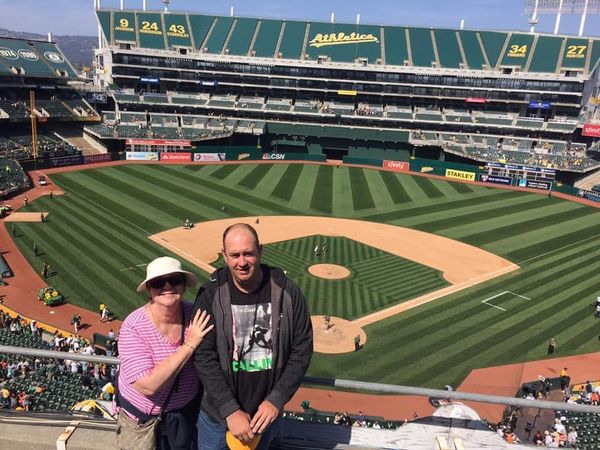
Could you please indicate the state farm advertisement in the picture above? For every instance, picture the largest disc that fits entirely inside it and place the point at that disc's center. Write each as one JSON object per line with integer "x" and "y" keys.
{"x": 591, "y": 129}
{"x": 396, "y": 166}
{"x": 175, "y": 156}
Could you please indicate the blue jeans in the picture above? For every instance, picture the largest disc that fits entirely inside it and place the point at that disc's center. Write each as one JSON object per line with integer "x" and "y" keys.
{"x": 211, "y": 435}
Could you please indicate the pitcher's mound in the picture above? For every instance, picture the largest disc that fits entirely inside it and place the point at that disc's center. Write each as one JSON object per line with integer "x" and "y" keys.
{"x": 329, "y": 271}
{"x": 338, "y": 337}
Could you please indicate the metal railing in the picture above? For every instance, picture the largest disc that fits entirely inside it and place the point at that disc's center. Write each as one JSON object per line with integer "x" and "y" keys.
{"x": 379, "y": 388}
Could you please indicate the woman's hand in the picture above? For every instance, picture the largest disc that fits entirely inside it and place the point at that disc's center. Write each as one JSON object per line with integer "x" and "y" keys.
{"x": 198, "y": 328}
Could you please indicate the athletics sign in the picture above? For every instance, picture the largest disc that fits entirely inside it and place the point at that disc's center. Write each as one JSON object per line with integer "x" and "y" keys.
{"x": 323, "y": 40}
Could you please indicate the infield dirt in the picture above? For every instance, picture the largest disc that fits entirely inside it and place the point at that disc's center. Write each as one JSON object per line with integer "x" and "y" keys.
{"x": 462, "y": 265}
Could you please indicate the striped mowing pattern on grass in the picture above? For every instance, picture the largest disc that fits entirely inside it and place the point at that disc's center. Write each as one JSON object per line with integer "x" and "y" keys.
{"x": 287, "y": 183}
{"x": 361, "y": 194}
{"x": 378, "y": 279}
{"x": 97, "y": 235}
{"x": 322, "y": 197}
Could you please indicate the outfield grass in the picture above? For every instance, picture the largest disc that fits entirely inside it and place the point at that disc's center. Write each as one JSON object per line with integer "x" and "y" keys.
{"x": 97, "y": 236}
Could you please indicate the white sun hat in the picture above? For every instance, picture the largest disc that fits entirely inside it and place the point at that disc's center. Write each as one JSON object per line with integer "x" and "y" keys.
{"x": 166, "y": 265}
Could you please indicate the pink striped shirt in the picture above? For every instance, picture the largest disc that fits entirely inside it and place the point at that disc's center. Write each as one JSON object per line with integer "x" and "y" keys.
{"x": 141, "y": 348}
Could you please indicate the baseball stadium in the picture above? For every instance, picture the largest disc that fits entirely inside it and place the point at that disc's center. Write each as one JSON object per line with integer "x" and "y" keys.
{"x": 433, "y": 192}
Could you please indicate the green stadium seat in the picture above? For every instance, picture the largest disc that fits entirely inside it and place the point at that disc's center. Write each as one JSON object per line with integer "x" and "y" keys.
{"x": 155, "y": 98}
{"x": 267, "y": 38}
{"x": 448, "y": 48}
{"x": 396, "y": 50}
{"x": 472, "y": 49}
{"x": 126, "y": 98}
{"x": 292, "y": 40}
{"x": 200, "y": 26}
{"x": 422, "y": 47}
{"x": 241, "y": 37}
{"x": 493, "y": 42}
{"x": 546, "y": 55}
{"x": 219, "y": 34}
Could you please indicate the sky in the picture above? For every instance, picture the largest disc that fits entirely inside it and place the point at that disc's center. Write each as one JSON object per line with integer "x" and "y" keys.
{"x": 76, "y": 17}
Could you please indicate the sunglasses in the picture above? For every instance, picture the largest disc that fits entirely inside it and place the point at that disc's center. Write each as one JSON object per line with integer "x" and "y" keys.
{"x": 159, "y": 283}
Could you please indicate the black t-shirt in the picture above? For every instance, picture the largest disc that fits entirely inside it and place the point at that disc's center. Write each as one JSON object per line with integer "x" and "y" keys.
{"x": 253, "y": 351}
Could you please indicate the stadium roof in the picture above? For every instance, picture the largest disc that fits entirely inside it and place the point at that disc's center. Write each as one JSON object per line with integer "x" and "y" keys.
{"x": 350, "y": 43}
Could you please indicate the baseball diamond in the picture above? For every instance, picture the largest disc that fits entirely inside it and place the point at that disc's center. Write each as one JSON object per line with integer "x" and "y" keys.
{"x": 108, "y": 214}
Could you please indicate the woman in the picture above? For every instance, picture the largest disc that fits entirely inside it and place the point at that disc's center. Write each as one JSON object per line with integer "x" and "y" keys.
{"x": 156, "y": 343}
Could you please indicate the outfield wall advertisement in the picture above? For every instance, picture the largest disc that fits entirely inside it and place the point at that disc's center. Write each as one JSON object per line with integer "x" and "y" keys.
{"x": 66, "y": 161}
{"x": 535, "y": 184}
{"x": 209, "y": 157}
{"x": 460, "y": 175}
{"x": 89, "y": 159}
{"x": 274, "y": 156}
{"x": 141, "y": 156}
{"x": 485, "y": 178}
{"x": 176, "y": 156}
{"x": 396, "y": 166}
{"x": 590, "y": 195}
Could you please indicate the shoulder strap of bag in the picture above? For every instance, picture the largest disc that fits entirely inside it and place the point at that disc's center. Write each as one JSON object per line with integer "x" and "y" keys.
{"x": 176, "y": 381}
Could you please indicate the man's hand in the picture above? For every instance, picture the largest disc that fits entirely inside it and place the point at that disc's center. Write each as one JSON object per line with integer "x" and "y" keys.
{"x": 238, "y": 424}
{"x": 265, "y": 416}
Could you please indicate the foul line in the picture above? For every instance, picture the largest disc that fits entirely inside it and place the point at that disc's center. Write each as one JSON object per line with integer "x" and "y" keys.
{"x": 500, "y": 294}
{"x": 113, "y": 213}
{"x": 133, "y": 267}
{"x": 558, "y": 249}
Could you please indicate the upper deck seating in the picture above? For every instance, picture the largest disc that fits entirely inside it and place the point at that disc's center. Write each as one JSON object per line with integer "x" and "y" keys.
{"x": 430, "y": 114}
{"x": 278, "y": 104}
{"x": 241, "y": 36}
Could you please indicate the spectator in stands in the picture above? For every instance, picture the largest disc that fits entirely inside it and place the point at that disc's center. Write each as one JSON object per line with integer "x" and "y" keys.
{"x": 572, "y": 437}
{"x": 538, "y": 439}
{"x": 361, "y": 420}
{"x": 156, "y": 343}
{"x": 564, "y": 379}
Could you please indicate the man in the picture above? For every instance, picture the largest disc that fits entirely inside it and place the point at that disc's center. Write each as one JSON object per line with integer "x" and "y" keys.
{"x": 76, "y": 322}
{"x": 253, "y": 361}
{"x": 45, "y": 269}
{"x": 35, "y": 249}
{"x": 564, "y": 379}
{"x": 357, "y": 342}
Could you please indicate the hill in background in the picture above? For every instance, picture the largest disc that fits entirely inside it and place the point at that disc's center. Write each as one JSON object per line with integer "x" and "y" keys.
{"x": 78, "y": 49}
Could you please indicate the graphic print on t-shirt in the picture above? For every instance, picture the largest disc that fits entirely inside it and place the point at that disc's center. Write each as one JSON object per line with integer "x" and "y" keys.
{"x": 252, "y": 337}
